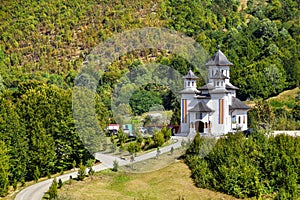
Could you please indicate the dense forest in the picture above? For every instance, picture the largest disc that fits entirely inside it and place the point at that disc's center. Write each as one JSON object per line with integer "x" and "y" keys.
{"x": 44, "y": 43}
{"x": 259, "y": 166}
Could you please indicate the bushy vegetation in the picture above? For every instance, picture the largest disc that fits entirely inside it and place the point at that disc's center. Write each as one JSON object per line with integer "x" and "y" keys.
{"x": 276, "y": 114}
{"x": 144, "y": 143}
{"x": 255, "y": 167}
{"x": 52, "y": 192}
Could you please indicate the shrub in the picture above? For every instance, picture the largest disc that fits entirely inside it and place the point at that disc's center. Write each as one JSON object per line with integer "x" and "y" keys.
{"x": 122, "y": 137}
{"x": 60, "y": 183}
{"x": 115, "y": 166}
{"x": 134, "y": 147}
{"x": 172, "y": 150}
{"x": 53, "y": 190}
{"x": 166, "y": 132}
{"x": 81, "y": 172}
{"x": 158, "y": 139}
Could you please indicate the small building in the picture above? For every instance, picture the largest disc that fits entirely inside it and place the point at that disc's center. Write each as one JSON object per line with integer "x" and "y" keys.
{"x": 112, "y": 129}
{"x": 212, "y": 108}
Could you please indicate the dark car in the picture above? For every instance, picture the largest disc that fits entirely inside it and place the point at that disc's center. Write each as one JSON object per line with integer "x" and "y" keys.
{"x": 249, "y": 132}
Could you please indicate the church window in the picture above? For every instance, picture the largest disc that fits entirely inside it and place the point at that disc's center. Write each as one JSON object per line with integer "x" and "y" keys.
{"x": 239, "y": 119}
{"x": 205, "y": 125}
{"x": 193, "y": 83}
{"x": 210, "y": 124}
{"x": 199, "y": 115}
{"x": 244, "y": 119}
{"x": 222, "y": 71}
{"x": 233, "y": 120}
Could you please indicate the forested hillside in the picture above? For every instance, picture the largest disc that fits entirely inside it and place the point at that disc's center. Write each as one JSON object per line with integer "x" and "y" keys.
{"x": 43, "y": 44}
{"x": 261, "y": 166}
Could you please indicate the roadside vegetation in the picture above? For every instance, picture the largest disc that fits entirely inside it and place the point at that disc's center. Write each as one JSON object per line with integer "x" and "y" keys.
{"x": 122, "y": 145}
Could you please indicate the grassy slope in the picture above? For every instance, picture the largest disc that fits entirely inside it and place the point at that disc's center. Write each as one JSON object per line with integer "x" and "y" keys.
{"x": 283, "y": 98}
{"x": 170, "y": 182}
{"x": 287, "y": 94}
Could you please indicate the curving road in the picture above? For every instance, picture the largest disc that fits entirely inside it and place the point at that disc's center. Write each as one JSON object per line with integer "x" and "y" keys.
{"x": 37, "y": 191}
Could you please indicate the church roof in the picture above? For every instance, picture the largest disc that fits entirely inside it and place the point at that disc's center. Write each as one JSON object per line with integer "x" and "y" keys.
{"x": 190, "y": 75}
{"x": 218, "y": 91}
{"x": 208, "y": 86}
{"x": 188, "y": 91}
{"x": 219, "y": 59}
{"x": 238, "y": 105}
{"x": 231, "y": 87}
{"x": 201, "y": 107}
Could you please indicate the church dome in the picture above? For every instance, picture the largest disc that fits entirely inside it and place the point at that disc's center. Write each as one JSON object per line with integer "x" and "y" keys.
{"x": 219, "y": 59}
{"x": 190, "y": 75}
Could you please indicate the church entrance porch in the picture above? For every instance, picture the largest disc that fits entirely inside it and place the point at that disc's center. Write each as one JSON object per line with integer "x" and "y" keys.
{"x": 199, "y": 126}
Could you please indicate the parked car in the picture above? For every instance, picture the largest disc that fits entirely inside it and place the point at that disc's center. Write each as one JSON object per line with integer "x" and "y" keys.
{"x": 249, "y": 132}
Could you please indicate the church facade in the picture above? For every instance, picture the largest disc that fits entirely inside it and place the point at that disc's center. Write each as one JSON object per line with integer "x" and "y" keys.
{"x": 213, "y": 108}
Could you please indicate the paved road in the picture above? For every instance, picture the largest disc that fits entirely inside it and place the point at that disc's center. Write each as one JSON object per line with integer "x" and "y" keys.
{"x": 37, "y": 191}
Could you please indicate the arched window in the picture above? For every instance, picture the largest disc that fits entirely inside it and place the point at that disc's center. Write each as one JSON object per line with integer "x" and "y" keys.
{"x": 205, "y": 125}
{"x": 233, "y": 119}
{"x": 193, "y": 83}
{"x": 239, "y": 121}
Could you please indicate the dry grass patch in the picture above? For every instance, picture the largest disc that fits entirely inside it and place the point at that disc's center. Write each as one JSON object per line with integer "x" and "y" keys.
{"x": 287, "y": 94}
{"x": 170, "y": 182}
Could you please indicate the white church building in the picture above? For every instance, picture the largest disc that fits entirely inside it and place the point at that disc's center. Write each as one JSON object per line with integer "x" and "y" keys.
{"x": 213, "y": 108}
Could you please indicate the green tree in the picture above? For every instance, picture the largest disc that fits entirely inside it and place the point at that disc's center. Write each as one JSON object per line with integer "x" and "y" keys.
{"x": 53, "y": 190}
{"x": 36, "y": 174}
{"x": 81, "y": 172}
{"x": 142, "y": 100}
{"x": 261, "y": 113}
{"x": 122, "y": 137}
{"x": 158, "y": 139}
{"x": 4, "y": 169}
{"x": 167, "y": 132}
{"x": 134, "y": 147}
{"x": 12, "y": 132}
